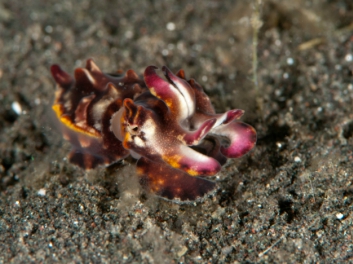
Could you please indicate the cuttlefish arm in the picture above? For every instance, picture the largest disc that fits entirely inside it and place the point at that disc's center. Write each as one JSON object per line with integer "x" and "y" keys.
{"x": 241, "y": 136}
{"x": 175, "y": 92}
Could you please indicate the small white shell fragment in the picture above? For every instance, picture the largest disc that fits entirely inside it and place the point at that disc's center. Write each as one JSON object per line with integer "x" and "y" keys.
{"x": 16, "y": 107}
{"x": 290, "y": 61}
{"x": 348, "y": 57}
{"x": 182, "y": 251}
{"x": 170, "y": 26}
{"x": 297, "y": 159}
{"x": 340, "y": 216}
{"x": 42, "y": 192}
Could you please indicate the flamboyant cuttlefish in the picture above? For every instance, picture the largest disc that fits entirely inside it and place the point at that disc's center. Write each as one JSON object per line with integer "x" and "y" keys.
{"x": 168, "y": 125}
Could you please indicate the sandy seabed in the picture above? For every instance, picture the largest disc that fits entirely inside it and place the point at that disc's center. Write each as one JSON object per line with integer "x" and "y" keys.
{"x": 289, "y": 201}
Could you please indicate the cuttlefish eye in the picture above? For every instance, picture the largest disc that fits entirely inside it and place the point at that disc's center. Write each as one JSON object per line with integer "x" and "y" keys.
{"x": 125, "y": 120}
{"x": 133, "y": 129}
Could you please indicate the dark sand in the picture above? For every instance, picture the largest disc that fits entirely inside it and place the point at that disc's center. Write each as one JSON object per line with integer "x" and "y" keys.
{"x": 290, "y": 200}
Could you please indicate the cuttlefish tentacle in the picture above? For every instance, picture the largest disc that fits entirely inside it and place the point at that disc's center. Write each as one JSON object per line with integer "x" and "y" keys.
{"x": 221, "y": 119}
{"x": 194, "y": 163}
{"x": 202, "y": 101}
{"x": 178, "y": 95}
{"x": 193, "y": 137}
{"x": 211, "y": 147}
{"x": 187, "y": 97}
{"x": 242, "y": 138}
{"x": 62, "y": 78}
